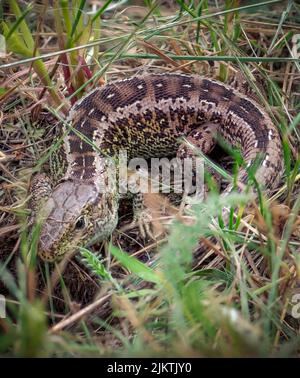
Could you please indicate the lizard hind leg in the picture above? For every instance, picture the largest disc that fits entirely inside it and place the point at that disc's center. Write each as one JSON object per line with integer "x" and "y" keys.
{"x": 202, "y": 138}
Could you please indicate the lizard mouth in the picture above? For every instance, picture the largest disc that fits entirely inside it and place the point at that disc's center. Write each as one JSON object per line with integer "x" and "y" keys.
{"x": 47, "y": 257}
{"x": 55, "y": 254}
{"x": 50, "y": 255}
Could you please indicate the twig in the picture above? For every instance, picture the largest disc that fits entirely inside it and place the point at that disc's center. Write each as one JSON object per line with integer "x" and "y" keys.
{"x": 78, "y": 315}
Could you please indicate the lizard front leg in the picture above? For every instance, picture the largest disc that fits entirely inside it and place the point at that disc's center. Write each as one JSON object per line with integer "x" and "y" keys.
{"x": 142, "y": 216}
{"x": 40, "y": 189}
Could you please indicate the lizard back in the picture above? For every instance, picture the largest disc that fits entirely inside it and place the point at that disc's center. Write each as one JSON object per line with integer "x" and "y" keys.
{"x": 147, "y": 115}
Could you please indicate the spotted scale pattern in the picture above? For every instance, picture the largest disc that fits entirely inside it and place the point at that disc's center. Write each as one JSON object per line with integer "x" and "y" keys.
{"x": 147, "y": 115}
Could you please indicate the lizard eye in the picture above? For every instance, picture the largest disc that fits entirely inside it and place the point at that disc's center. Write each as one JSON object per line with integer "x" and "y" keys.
{"x": 80, "y": 223}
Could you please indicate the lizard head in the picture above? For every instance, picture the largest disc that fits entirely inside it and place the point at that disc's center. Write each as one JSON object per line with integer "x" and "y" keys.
{"x": 75, "y": 214}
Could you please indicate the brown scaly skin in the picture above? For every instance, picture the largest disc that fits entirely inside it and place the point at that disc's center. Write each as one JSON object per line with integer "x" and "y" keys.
{"x": 147, "y": 116}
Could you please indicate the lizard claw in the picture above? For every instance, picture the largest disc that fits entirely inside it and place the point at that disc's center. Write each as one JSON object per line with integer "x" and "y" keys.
{"x": 143, "y": 220}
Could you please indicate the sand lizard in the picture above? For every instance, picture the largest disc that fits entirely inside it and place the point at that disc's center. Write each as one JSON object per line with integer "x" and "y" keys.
{"x": 145, "y": 115}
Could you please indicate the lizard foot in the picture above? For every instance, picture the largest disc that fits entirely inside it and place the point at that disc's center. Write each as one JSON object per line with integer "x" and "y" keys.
{"x": 143, "y": 220}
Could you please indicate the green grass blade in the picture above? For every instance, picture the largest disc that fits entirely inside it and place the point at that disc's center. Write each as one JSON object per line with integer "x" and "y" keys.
{"x": 135, "y": 266}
